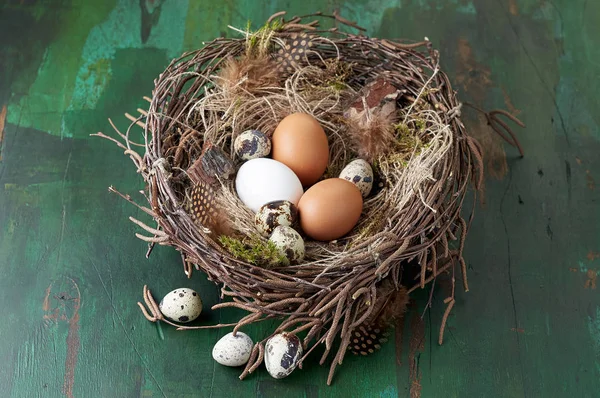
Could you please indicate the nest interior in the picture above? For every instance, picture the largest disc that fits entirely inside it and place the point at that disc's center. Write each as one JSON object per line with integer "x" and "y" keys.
{"x": 411, "y": 229}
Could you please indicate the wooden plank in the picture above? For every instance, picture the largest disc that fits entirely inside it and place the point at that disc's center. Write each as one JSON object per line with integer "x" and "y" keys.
{"x": 73, "y": 269}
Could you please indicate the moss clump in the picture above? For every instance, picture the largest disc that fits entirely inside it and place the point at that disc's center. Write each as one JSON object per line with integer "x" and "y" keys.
{"x": 261, "y": 39}
{"x": 408, "y": 141}
{"x": 253, "y": 250}
{"x": 399, "y": 159}
{"x": 402, "y": 129}
{"x": 337, "y": 85}
{"x": 420, "y": 124}
{"x": 331, "y": 77}
{"x": 337, "y": 74}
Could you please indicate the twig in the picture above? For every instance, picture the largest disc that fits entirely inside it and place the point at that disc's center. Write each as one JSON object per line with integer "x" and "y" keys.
{"x": 500, "y": 126}
{"x": 135, "y": 120}
{"x": 444, "y": 320}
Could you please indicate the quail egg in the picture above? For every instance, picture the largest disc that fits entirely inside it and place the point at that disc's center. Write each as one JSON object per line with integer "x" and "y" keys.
{"x": 360, "y": 173}
{"x": 289, "y": 242}
{"x": 274, "y": 214}
{"x": 282, "y": 354}
{"x": 181, "y": 305}
{"x": 233, "y": 350}
{"x": 252, "y": 144}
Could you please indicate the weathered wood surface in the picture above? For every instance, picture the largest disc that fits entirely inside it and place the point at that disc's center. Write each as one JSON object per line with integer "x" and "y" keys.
{"x": 71, "y": 269}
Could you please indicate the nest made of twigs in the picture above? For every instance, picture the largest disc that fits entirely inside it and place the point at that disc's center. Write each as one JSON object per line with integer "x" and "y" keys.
{"x": 408, "y": 223}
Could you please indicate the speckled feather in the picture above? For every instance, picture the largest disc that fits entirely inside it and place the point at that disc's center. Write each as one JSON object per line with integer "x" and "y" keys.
{"x": 389, "y": 306}
{"x": 366, "y": 340}
{"x": 293, "y": 54}
{"x": 200, "y": 205}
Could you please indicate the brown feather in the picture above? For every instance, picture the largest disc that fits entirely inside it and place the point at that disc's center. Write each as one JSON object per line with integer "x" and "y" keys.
{"x": 201, "y": 206}
{"x": 371, "y": 134}
{"x": 255, "y": 72}
{"x": 394, "y": 308}
{"x": 371, "y": 118}
{"x": 390, "y": 305}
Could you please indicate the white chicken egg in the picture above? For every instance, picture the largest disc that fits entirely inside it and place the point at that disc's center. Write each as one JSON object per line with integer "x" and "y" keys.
{"x": 263, "y": 180}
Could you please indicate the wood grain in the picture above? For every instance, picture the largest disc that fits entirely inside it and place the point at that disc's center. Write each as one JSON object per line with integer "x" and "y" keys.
{"x": 72, "y": 269}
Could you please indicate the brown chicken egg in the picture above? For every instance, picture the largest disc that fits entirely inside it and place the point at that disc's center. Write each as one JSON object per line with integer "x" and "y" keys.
{"x": 300, "y": 143}
{"x": 330, "y": 209}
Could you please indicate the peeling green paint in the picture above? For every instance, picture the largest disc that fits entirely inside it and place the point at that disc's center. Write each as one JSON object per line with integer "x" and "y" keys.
{"x": 122, "y": 30}
{"x": 50, "y": 94}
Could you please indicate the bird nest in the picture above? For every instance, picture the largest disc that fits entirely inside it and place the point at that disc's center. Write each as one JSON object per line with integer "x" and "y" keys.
{"x": 384, "y": 101}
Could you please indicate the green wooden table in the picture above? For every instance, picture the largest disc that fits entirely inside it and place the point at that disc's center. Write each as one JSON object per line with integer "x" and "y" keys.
{"x": 71, "y": 269}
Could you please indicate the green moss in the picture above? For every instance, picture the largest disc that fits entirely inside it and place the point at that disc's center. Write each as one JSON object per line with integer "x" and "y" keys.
{"x": 337, "y": 73}
{"x": 337, "y": 86}
{"x": 253, "y": 250}
{"x": 261, "y": 39}
{"x": 408, "y": 138}
{"x": 420, "y": 125}
{"x": 402, "y": 129}
{"x": 409, "y": 141}
{"x": 400, "y": 158}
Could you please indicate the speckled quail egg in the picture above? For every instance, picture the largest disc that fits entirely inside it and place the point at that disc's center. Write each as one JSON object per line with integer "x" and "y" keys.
{"x": 289, "y": 242}
{"x": 274, "y": 214}
{"x": 252, "y": 144}
{"x": 360, "y": 173}
{"x": 233, "y": 350}
{"x": 181, "y": 305}
{"x": 282, "y": 354}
